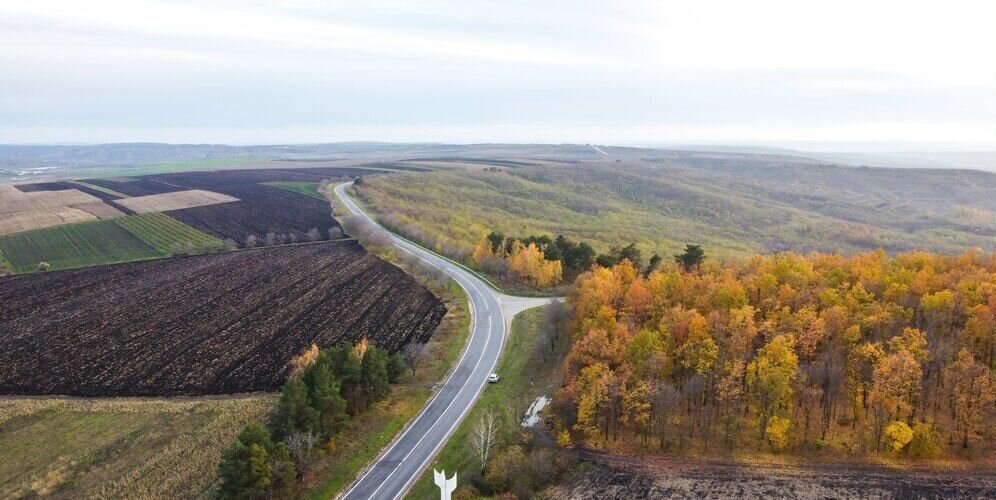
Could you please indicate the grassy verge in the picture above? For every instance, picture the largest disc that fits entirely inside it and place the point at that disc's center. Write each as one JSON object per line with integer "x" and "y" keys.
{"x": 525, "y": 375}
{"x": 309, "y": 189}
{"x": 363, "y": 439}
{"x": 118, "y": 447}
{"x": 373, "y": 430}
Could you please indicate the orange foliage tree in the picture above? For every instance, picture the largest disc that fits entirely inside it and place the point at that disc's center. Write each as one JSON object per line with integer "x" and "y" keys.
{"x": 869, "y": 350}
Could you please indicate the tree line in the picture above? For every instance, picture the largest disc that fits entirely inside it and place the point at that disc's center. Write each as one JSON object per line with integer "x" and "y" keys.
{"x": 543, "y": 262}
{"x": 325, "y": 389}
{"x": 855, "y": 354}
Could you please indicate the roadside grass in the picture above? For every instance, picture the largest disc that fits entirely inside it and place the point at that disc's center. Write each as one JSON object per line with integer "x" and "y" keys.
{"x": 163, "y": 232}
{"x": 373, "y": 430}
{"x": 119, "y": 447}
{"x": 364, "y": 438}
{"x": 74, "y": 245}
{"x": 525, "y": 376}
{"x": 340, "y": 209}
{"x": 309, "y": 189}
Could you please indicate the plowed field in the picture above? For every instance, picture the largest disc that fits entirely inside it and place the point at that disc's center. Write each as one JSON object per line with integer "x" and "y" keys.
{"x": 207, "y": 324}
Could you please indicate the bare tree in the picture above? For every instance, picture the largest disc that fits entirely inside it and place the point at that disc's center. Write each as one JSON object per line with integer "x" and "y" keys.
{"x": 271, "y": 239}
{"x": 482, "y": 437}
{"x": 335, "y": 233}
{"x": 413, "y": 353}
{"x": 299, "y": 445}
{"x": 252, "y": 240}
{"x": 313, "y": 234}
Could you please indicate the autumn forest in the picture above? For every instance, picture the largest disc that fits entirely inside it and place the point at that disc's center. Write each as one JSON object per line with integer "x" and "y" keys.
{"x": 867, "y": 354}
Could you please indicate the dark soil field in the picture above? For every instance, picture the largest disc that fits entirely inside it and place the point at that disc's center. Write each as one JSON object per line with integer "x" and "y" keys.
{"x": 608, "y": 477}
{"x": 262, "y": 209}
{"x": 207, "y": 324}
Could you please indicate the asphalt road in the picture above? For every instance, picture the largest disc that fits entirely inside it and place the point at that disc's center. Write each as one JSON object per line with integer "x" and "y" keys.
{"x": 402, "y": 462}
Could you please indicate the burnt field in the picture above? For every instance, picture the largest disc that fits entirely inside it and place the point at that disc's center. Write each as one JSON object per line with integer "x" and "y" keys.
{"x": 263, "y": 212}
{"x": 207, "y": 324}
{"x": 619, "y": 477}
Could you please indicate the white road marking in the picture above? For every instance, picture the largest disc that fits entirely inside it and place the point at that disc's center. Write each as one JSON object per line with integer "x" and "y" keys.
{"x": 468, "y": 281}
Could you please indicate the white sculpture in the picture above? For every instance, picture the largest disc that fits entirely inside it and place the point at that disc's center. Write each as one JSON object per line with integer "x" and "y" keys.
{"x": 446, "y": 486}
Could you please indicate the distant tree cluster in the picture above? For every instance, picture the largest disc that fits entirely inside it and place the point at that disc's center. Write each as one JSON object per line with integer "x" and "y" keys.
{"x": 536, "y": 260}
{"x": 857, "y": 354}
{"x": 325, "y": 389}
{"x": 522, "y": 257}
{"x": 273, "y": 239}
{"x": 191, "y": 248}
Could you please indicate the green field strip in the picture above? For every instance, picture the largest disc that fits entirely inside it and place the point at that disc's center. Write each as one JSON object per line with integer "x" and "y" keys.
{"x": 169, "y": 167}
{"x": 74, "y": 245}
{"x": 101, "y": 189}
{"x": 4, "y": 265}
{"x": 163, "y": 232}
{"x": 309, "y": 189}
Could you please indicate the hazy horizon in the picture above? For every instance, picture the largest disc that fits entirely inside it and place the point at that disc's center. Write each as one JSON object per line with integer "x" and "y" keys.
{"x": 765, "y": 73}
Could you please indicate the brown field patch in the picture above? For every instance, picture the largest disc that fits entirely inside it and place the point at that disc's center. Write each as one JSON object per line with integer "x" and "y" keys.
{"x": 100, "y": 210}
{"x": 178, "y": 200}
{"x": 24, "y": 221}
{"x": 13, "y": 201}
{"x": 21, "y": 211}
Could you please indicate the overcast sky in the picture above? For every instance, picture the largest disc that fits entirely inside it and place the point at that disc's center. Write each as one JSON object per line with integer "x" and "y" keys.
{"x": 609, "y": 72}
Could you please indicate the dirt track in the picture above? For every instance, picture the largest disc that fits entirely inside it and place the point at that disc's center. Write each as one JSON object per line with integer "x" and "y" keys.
{"x": 618, "y": 477}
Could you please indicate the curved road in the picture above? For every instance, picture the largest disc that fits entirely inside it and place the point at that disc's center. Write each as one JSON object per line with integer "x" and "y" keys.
{"x": 402, "y": 462}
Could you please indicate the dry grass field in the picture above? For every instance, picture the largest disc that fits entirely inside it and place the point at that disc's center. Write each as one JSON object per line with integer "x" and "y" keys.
{"x": 26, "y": 210}
{"x": 100, "y": 210}
{"x": 178, "y": 200}
{"x": 18, "y": 222}
{"x": 118, "y": 448}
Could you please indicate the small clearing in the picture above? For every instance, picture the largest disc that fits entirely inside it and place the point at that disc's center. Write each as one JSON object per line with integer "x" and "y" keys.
{"x": 533, "y": 414}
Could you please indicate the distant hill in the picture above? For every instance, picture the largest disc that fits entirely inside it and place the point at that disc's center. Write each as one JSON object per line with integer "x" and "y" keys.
{"x": 735, "y": 204}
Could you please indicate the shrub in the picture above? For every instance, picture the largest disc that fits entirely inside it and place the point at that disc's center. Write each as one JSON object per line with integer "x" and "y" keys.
{"x": 777, "y": 432}
{"x": 924, "y": 442}
{"x": 254, "y": 467}
{"x": 899, "y": 435}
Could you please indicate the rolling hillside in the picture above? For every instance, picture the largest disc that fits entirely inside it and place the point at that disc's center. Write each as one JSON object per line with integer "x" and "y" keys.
{"x": 733, "y": 204}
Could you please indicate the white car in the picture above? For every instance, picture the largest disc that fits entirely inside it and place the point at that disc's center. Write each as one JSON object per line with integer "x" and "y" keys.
{"x": 493, "y": 378}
